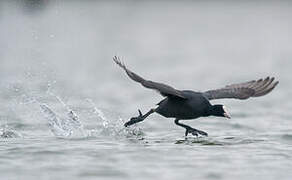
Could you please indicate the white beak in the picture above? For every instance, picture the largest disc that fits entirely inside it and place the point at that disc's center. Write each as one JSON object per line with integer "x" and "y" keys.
{"x": 226, "y": 114}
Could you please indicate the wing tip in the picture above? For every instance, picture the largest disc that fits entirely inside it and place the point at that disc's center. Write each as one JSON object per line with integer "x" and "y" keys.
{"x": 117, "y": 60}
{"x": 267, "y": 87}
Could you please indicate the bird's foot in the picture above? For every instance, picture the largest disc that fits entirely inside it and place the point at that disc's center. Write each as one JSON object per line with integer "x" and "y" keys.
{"x": 134, "y": 120}
{"x": 195, "y": 132}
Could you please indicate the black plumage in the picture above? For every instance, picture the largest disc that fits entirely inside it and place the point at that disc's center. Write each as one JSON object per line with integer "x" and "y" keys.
{"x": 188, "y": 104}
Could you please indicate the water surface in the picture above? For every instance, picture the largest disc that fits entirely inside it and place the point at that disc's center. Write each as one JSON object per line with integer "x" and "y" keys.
{"x": 63, "y": 101}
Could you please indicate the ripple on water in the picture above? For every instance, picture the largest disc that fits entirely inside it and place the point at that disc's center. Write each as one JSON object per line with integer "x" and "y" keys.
{"x": 287, "y": 137}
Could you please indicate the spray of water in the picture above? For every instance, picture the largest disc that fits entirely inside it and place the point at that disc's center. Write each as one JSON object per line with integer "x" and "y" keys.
{"x": 71, "y": 126}
{"x": 113, "y": 128}
{"x": 6, "y": 132}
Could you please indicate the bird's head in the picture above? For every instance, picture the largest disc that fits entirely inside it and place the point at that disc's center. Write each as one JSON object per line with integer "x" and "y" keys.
{"x": 220, "y": 110}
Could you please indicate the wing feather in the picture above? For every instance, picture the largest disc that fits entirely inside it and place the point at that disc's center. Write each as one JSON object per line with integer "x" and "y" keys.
{"x": 163, "y": 89}
{"x": 244, "y": 90}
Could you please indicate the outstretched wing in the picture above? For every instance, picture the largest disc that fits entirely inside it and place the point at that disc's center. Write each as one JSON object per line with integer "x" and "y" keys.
{"x": 163, "y": 89}
{"x": 244, "y": 90}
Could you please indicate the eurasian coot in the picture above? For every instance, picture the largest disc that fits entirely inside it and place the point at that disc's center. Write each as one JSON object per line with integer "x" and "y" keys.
{"x": 186, "y": 104}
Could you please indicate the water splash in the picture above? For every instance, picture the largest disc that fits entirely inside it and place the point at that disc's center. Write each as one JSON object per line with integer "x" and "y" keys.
{"x": 54, "y": 122}
{"x": 65, "y": 127}
{"x": 72, "y": 119}
{"x": 6, "y": 132}
{"x": 96, "y": 110}
{"x": 71, "y": 126}
{"x": 113, "y": 128}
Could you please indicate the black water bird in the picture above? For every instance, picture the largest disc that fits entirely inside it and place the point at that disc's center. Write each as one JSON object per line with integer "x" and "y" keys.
{"x": 186, "y": 104}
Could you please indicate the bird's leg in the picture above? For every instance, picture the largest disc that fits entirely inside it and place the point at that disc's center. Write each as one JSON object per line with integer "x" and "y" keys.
{"x": 189, "y": 129}
{"x": 139, "y": 118}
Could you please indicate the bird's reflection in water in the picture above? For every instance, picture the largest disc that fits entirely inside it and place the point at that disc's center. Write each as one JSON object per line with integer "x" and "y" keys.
{"x": 198, "y": 140}
{"x": 217, "y": 141}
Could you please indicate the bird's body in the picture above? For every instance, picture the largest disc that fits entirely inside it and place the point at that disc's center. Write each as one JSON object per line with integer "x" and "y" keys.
{"x": 187, "y": 104}
{"x": 196, "y": 105}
